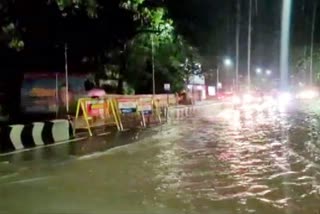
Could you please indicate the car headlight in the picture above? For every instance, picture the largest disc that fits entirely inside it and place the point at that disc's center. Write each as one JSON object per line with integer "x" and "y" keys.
{"x": 247, "y": 98}
{"x": 236, "y": 100}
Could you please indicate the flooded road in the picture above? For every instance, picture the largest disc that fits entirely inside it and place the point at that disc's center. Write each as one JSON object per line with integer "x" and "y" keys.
{"x": 257, "y": 161}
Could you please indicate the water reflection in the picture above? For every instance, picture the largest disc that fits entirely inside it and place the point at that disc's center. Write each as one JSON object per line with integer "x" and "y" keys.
{"x": 257, "y": 161}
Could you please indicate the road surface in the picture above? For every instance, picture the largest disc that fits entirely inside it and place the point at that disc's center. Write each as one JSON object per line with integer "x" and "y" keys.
{"x": 226, "y": 161}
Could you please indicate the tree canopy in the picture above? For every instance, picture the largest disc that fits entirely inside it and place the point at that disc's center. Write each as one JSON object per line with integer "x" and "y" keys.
{"x": 101, "y": 36}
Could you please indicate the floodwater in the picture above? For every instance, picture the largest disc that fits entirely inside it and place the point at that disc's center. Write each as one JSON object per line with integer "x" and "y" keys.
{"x": 257, "y": 161}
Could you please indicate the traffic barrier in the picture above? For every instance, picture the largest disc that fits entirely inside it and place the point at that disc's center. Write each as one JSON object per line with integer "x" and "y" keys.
{"x": 126, "y": 108}
{"x": 95, "y": 112}
{"x": 117, "y": 109}
{"x": 19, "y": 136}
{"x": 136, "y": 109}
{"x": 147, "y": 107}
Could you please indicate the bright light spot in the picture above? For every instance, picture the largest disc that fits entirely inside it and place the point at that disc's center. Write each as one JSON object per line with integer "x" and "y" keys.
{"x": 211, "y": 91}
{"x": 268, "y": 72}
{"x": 227, "y": 62}
{"x": 258, "y": 71}
{"x": 284, "y": 98}
{"x": 236, "y": 100}
{"x": 307, "y": 94}
{"x": 247, "y": 98}
{"x": 226, "y": 114}
{"x": 269, "y": 100}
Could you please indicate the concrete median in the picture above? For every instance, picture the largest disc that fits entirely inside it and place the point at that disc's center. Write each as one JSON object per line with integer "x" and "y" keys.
{"x": 24, "y": 136}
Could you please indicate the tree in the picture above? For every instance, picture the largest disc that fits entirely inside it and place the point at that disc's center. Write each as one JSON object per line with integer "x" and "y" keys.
{"x": 9, "y": 33}
{"x": 300, "y": 64}
{"x": 122, "y": 45}
{"x": 135, "y": 58}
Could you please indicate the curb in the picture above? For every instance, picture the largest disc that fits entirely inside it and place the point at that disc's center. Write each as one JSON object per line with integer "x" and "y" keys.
{"x": 18, "y": 136}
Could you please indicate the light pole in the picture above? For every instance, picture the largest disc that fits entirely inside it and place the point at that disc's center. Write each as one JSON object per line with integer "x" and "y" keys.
{"x": 227, "y": 62}
{"x": 249, "y": 43}
{"x": 218, "y": 78}
{"x": 238, "y": 42}
{"x": 66, "y": 76}
{"x": 153, "y": 71}
{"x": 314, "y": 16}
{"x": 285, "y": 42}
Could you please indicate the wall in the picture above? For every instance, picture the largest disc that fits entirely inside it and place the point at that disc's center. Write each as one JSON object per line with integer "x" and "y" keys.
{"x": 39, "y": 94}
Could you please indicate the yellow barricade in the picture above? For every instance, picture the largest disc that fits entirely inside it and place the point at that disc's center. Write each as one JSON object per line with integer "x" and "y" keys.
{"x": 136, "y": 106}
{"x": 125, "y": 106}
{"x": 147, "y": 107}
{"x": 95, "y": 113}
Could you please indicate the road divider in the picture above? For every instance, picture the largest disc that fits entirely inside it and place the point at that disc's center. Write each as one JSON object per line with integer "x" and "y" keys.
{"x": 23, "y": 136}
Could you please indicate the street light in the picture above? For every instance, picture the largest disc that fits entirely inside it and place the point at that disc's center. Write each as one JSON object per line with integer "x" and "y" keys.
{"x": 258, "y": 70}
{"x": 227, "y": 62}
{"x": 268, "y": 72}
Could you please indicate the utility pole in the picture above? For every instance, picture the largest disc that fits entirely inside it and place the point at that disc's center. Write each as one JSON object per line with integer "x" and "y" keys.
{"x": 315, "y": 6}
{"x": 66, "y": 75}
{"x": 256, "y": 4}
{"x": 237, "y": 42}
{"x": 249, "y": 43}
{"x": 153, "y": 71}
{"x": 285, "y": 42}
{"x": 218, "y": 78}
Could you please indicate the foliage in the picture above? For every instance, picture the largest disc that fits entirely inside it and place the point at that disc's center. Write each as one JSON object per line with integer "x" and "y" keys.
{"x": 90, "y": 6}
{"x": 300, "y": 63}
{"x": 123, "y": 49}
{"x": 9, "y": 32}
{"x": 170, "y": 62}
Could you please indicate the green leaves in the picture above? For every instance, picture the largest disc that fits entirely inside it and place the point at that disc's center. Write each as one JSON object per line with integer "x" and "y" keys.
{"x": 90, "y": 6}
{"x": 11, "y": 33}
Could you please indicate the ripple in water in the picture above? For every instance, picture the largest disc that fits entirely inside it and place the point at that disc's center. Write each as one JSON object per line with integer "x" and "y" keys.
{"x": 244, "y": 162}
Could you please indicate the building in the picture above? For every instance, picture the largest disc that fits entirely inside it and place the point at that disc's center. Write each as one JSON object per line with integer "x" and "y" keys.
{"x": 197, "y": 87}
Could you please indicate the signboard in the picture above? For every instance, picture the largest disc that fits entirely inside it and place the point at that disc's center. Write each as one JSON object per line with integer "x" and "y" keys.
{"x": 167, "y": 87}
{"x": 128, "y": 106}
{"x": 211, "y": 91}
{"x": 197, "y": 80}
{"x": 95, "y": 108}
{"x": 145, "y": 106}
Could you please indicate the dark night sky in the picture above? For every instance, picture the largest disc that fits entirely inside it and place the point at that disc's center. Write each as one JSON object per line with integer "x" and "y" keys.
{"x": 208, "y": 24}
{"x": 212, "y": 26}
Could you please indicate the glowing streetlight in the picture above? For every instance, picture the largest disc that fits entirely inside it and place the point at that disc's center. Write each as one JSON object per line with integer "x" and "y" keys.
{"x": 268, "y": 72}
{"x": 227, "y": 62}
{"x": 258, "y": 70}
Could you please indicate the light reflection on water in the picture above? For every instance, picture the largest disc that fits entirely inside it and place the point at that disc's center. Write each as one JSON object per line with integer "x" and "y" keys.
{"x": 245, "y": 161}
{"x": 229, "y": 161}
